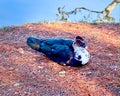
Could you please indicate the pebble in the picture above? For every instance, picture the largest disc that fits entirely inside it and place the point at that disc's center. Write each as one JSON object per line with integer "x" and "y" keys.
{"x": 30, "y": 27}
{"x": 113, "y": 67}
{"x": 16, "y": 84}
{"x": 110, "y": 54}
{"x": 40, "y": 67}
{"x": 11, "y": 68}
{"x": 62, "y": 73}
{"x": 15, "y": 93}
{"x": 89, "y": 72}
{"x": 21, "y": 51}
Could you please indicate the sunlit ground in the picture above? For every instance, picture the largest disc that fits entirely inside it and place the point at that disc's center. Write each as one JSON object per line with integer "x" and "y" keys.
{"x": 24, "y": 71}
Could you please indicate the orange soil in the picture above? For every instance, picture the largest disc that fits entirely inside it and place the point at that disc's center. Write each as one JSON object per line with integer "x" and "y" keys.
{"x": 25, "y": 72}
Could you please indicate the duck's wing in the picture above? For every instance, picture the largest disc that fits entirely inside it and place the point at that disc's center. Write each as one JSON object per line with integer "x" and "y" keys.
{"x": 58, "y": 53}
{"x": 52, "y": 41}
{"x": 48, "y": 45}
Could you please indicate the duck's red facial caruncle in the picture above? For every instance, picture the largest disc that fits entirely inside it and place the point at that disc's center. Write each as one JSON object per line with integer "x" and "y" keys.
{"x": 79, "y": 41}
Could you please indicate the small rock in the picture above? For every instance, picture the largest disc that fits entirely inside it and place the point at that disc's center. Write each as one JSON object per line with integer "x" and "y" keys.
{"x": 40, "y": 67}
{"x": 26, "y": 93}
{"x": 21, "y": 51}
{"x": 62, "y": 73}
{"x": 11, "y": 68}
{"x": 15, "y": 92}
{"x": 89, "y": 72}
{"x": 16, "y": 84}
{"x": 34, "y": 59}
{"x": 30, "y": 27}
{"x": 110, "y": 54}
{"x": 113, "y": 67}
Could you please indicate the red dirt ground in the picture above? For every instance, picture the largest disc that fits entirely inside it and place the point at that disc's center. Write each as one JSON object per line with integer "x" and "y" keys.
{"x": 25, "y": 72}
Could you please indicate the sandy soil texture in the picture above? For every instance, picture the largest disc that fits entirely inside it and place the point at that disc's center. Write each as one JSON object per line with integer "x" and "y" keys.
{"x": 25, "y": 72}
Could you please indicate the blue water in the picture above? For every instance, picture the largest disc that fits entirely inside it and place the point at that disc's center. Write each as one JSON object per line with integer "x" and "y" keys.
{"x": 18, "y": 12}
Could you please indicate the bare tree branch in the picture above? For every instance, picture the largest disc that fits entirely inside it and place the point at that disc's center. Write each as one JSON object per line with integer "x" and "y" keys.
{"x": 110, "y": 7}
{"x": 107, "y": 11}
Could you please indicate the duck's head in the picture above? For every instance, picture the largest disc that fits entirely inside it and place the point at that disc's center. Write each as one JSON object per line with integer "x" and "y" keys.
{"x": 80, "y": 52}
{"x": 34, "y": 43}
{"x": 79, "y": 42}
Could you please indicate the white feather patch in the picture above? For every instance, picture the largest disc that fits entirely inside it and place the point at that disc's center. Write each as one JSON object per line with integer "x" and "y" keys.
{"x": 83, "y": 53}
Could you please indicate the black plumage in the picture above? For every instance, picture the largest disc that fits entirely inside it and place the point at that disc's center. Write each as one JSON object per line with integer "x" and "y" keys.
{"x": 60, "y": 50}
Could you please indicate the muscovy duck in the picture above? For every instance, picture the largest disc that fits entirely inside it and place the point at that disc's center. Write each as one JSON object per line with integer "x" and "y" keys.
{"x": 69, "y": 52}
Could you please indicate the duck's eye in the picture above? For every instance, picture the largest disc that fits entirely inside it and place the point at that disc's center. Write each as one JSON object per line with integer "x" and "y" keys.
{"x": 79, "y": 57}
